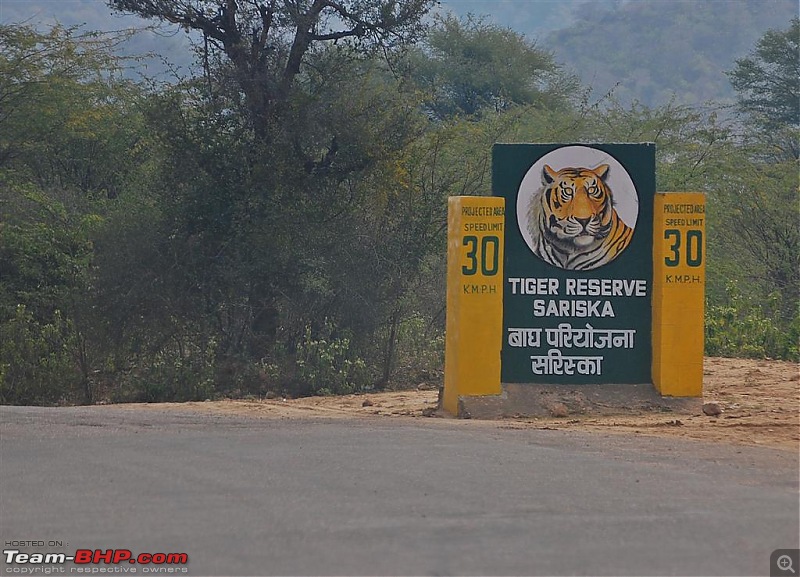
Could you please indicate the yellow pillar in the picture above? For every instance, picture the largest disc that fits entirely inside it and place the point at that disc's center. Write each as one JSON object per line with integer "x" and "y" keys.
{"x": 474, "y": 298}
{"x": 679, "y": 281}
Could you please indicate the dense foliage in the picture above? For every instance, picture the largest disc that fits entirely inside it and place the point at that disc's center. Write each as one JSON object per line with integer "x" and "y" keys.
{"x": 278, "y": 223}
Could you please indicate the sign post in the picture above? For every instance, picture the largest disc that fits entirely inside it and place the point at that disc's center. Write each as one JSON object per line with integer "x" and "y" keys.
{"x": 474, "y": 298}
{"x": 679, "y": 280}
{"x": 575, "y": 287}
{"x": 579, "y": 262}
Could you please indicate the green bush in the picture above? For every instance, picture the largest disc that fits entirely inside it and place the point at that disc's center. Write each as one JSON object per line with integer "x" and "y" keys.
{"x": 420, "y": 352}
{"x": 182, "y": 371}
{"x": 37, "y": 365}
{"x": 327, "y": 364}
{"x": 740, "y": 326}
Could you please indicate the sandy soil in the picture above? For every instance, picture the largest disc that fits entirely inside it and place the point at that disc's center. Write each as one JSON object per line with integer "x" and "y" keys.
{"x": 759, "y": 400}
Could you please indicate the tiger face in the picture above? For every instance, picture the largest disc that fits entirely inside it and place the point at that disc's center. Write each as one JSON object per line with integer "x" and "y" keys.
{"x": 572, "y": 220}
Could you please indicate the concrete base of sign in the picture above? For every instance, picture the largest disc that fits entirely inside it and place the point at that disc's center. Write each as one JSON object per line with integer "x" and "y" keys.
{"x": 536, "y": 400}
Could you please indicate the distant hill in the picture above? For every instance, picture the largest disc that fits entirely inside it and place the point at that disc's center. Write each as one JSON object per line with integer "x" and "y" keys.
{"x": 534, "y": 18}
{"x": 648, "y": 49}
{"x": 657, "y": 49}
{"x": 653, "y": 51}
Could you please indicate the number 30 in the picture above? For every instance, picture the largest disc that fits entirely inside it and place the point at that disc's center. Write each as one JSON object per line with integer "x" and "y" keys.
{"x": 694, "y": 247}
{"x": 488, "y": 255}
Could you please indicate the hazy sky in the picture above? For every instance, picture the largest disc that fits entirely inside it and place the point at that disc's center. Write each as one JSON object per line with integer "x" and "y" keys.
{"x": 173, "y": 44}
{"x": 535, "y": 15}
{"x": 168, "y": 42}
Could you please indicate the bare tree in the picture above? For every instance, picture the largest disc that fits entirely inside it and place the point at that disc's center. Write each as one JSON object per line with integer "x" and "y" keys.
{"x": 267, "y": 41}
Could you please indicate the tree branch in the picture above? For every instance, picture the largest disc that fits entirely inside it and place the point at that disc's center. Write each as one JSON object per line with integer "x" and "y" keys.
{"x": 357, "y": 31}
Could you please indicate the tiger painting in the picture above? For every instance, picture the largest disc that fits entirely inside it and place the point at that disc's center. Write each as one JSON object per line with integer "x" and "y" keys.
{"x": 572, "y": 220}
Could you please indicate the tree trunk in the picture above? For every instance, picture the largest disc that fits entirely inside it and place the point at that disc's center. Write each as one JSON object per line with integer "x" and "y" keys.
{"x": 391, "y": 345}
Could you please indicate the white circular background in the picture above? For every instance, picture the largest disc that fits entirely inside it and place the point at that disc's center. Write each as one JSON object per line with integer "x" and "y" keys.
{"x": 626, "y": 200}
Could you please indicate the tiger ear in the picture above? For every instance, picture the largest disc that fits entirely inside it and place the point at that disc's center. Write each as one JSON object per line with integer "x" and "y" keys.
{"x": 602, "y": 171}
{"x": 548, "y": 174}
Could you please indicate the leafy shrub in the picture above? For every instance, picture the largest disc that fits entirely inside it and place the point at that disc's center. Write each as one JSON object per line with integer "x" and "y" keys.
{"x": 742, "y": 327}
{"x": 37, "y": 365}
{"x": 327, "y": 365}
{"x": 175, "y": 373}
{"x": 420, "y": 351}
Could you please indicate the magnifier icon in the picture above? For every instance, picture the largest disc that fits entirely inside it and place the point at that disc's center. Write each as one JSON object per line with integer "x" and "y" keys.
{"x": 784, "y": 563}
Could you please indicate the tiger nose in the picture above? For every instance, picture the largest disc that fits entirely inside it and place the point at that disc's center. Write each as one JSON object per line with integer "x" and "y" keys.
{"x": 584, "y": 222}
{"x": 582, "y": 208}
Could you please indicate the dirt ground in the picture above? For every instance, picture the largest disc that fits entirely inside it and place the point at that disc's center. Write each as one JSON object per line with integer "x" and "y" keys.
{"x": 759, "y": 402}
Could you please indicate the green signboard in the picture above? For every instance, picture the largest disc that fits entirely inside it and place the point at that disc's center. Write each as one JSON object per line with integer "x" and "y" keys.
{"x": 578, "y": 261}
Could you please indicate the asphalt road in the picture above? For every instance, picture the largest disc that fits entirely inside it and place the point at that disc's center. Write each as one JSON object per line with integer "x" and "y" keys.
{"x": 247, "y": 496}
